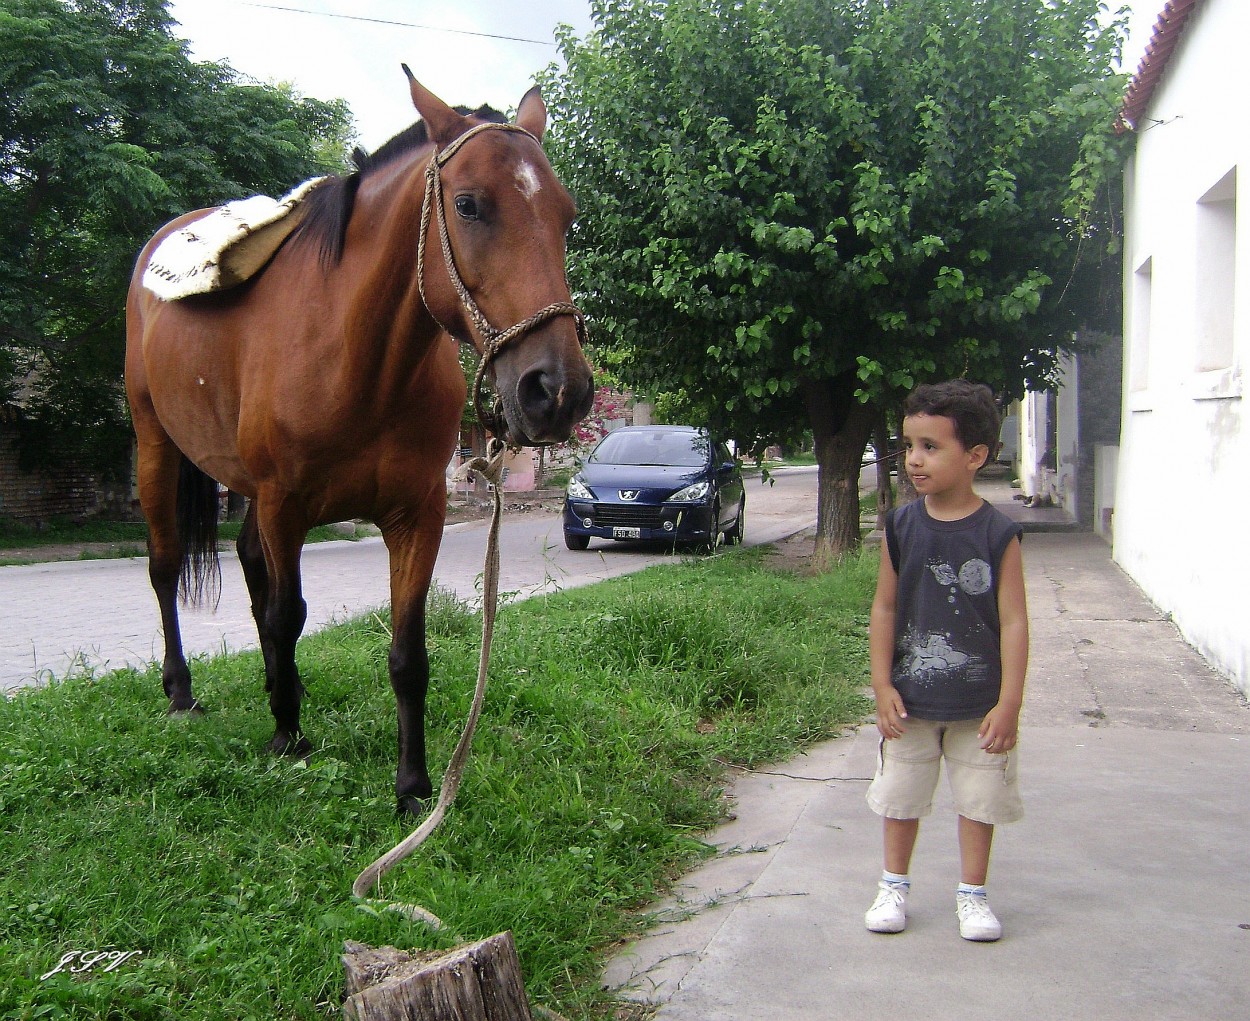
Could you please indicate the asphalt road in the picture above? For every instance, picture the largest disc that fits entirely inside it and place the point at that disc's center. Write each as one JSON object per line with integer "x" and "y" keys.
{"x": 98, "y": 615}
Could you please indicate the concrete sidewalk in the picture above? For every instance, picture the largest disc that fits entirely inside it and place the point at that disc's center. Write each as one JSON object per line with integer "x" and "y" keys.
{"x": 1122, "y": 893}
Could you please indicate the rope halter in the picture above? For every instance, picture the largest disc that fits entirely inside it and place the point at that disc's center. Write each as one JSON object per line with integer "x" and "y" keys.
{"x": 493, "y": 340}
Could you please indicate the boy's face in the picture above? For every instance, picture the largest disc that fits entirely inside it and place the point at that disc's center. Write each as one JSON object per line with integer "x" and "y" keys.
{"x": 936, "y": 461}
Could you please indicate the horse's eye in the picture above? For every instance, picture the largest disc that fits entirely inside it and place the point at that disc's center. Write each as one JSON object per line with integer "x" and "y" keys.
{"x": 466, "y": 207}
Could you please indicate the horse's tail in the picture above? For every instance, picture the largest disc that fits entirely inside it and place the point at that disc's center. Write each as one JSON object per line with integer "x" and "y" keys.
{"x": 197, "y": 535}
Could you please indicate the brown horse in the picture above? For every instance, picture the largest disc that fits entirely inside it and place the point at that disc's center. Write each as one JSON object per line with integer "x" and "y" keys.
{"x": 328, "y": 386}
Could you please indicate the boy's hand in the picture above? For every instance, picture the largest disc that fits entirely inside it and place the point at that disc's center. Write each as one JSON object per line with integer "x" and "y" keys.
{"x": 890, "y": 713}
{"x": 999, "y": 729}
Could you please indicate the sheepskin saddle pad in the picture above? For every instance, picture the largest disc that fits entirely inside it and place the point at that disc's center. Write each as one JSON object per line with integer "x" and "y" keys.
{"x": 224, "y": 247}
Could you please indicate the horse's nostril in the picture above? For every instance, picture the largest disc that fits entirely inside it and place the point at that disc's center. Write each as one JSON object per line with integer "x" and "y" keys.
{"x": 537, "y": 392}
{"x": 552, "y": 402}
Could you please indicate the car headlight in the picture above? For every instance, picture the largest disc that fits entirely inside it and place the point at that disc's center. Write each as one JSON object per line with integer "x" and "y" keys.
{"x": 691, "y": 494}
{"x": 578, "y": 490}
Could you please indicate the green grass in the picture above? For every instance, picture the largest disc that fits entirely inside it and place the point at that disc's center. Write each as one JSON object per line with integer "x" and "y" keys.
{"x": 594, "y": 771}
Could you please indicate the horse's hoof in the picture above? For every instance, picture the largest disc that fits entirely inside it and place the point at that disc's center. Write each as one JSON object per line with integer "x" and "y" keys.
{"x": 413, "y": 807}
{"x": 298, "y": 747}
{"x": 185, "y": 708}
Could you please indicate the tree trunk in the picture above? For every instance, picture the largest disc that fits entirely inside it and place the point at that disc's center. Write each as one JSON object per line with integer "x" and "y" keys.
{"x": 480, "y": 486}
{"x": 841, "y": 426}
{"x": 906, "y": 491}
{"x": 881, "y": 451}
{"x": 477, "y": 982}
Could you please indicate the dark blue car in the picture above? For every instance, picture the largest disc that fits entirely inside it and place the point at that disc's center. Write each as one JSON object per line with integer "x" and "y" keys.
{"x": 656, "y": 482}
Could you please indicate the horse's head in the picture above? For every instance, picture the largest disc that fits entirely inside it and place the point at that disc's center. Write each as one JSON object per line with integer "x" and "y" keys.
{"x": 494, "y": 224}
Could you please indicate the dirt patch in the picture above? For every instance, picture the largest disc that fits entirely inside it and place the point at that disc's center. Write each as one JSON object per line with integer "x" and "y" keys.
{"x": 797, "y": 554}
{"x": 475, "y": 508}
{"x": 794, "y": 555}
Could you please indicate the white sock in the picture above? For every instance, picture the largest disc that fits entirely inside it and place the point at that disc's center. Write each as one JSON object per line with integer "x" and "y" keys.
{"x": 976, "y": 891}
{"x": 894, "y": 879}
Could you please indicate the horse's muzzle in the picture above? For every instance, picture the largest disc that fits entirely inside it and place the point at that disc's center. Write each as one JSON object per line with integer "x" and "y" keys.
{"x": 550, "y": 400}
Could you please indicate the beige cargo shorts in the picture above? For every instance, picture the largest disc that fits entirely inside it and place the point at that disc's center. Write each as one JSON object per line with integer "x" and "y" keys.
{"x": 985, "y": 787}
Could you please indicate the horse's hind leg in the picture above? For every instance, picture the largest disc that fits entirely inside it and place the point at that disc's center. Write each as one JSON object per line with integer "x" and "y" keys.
{"x": 278, "y": 602}
{"x": 159, "y": 463}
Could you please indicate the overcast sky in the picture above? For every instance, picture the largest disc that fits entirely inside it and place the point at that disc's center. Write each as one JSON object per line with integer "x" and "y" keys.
{"x": 327, "y": 56}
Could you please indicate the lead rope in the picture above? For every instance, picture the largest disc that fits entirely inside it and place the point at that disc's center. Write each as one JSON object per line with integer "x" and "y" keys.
{"x": 491, "y": 469}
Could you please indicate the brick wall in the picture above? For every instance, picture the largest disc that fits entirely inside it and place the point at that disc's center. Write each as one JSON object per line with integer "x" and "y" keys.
{"x": 64, "y": 492}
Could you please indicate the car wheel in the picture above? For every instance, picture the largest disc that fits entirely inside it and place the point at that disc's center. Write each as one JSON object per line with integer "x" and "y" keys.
{"x": 733, "y": 536}
{"x": 576, "y": 542}
{"x": 713, "y": 531}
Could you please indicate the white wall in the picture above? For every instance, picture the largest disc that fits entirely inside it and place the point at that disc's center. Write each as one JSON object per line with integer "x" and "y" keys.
{"x": 1183, "y": 482}
{"x": 1106, "y": 458}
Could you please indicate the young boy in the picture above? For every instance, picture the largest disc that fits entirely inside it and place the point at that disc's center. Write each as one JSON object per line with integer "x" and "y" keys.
{"x": 948, "y": 644}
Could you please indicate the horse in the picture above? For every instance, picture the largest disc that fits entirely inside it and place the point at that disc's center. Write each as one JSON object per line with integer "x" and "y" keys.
{"x": 328, "y": 386}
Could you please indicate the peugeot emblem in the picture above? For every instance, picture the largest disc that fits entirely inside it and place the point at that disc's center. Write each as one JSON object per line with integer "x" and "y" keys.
{"x": 630, "y": 494}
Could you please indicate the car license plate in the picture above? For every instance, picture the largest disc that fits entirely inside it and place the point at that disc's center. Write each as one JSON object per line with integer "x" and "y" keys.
{"x": 627, "y": 533}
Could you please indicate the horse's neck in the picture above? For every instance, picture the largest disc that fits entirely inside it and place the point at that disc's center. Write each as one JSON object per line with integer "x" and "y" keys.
{"x": 385, "y": 222}
{"x": 380, "y": 257}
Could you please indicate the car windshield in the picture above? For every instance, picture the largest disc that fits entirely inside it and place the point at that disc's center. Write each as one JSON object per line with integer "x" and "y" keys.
{"x": 679, "y": 449}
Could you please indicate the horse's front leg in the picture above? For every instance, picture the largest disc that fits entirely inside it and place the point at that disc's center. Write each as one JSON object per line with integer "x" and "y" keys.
{"x": 413, "y": 552}
{"x": 281, "y": 612}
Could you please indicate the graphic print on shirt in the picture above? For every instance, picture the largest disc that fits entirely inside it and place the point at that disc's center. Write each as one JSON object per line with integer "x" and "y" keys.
{"x": 931, "y": 656}
{"x": 974, "y": 577}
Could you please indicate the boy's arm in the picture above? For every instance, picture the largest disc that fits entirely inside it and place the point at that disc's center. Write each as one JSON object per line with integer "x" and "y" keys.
{"x": 1000, "y": 726}
{"x": 890, "y": 710}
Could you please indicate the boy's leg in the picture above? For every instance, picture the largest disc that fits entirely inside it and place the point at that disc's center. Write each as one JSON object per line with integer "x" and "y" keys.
{"x": 985, "y": 788}
{"x": 976, "y": 921}
{"x": 889, "y": 910}
{"x": 901, "y": 792}
{"x": 975, "y": 839}
{"x": 900, "y": 841}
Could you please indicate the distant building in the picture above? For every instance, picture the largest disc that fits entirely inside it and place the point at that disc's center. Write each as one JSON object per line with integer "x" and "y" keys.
{"x": 1068, "y": 440}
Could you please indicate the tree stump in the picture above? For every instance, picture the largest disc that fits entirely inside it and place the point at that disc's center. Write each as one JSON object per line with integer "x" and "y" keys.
{"x": 476, "y": 982}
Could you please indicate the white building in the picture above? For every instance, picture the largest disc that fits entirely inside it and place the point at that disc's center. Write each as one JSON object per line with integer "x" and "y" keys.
{"x": 1183, "y": 476}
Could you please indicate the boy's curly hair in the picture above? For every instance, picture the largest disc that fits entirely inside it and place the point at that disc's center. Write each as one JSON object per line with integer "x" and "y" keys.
{"x": 970, "y": 406}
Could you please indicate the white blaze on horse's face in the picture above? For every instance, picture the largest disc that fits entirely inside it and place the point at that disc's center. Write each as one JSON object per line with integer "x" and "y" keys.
{"x": 527, "y": 180}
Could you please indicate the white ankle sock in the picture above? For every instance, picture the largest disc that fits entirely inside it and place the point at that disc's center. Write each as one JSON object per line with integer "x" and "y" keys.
{"x": 894, "y": 879}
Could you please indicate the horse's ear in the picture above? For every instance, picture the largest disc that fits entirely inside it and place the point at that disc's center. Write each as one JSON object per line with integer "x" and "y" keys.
{"x": 532, "y": 113}
{"x": 443, "y": 123}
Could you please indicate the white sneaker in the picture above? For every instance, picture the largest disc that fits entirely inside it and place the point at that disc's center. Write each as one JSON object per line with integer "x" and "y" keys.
{"x": 976, "y": 920}
{"x": 889, "y": 911}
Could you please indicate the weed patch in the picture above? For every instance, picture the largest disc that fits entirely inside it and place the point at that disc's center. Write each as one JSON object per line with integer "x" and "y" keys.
{"x": 594, "y": 771}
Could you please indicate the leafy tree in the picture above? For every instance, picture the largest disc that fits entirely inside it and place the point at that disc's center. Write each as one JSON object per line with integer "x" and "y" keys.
{"x": 793, "y": 210}
{"x": 107, "y": 130}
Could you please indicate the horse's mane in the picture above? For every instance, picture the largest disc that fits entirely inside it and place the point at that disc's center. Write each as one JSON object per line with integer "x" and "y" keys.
{"x": 328, "y": 207}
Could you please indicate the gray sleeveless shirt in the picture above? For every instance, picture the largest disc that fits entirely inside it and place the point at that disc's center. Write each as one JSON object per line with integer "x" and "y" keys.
{"x": 947, "y": 652}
